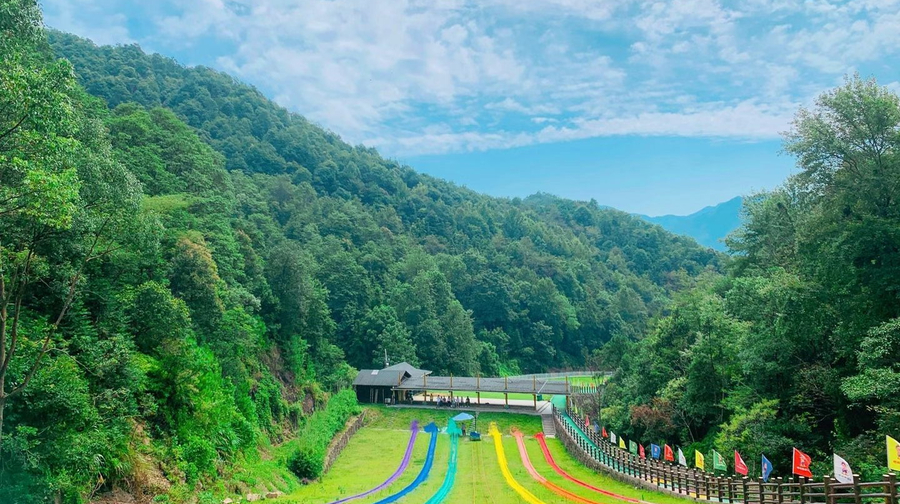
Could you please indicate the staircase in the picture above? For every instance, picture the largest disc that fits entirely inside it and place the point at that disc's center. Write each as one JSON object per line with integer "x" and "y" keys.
{"x": 549, "y": 425}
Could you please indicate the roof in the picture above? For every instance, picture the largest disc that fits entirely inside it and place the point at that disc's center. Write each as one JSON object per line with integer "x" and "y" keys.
{"x": 380, "y": 378}
{"x": 409, "y": 368}
{"x": 469, "y": 384}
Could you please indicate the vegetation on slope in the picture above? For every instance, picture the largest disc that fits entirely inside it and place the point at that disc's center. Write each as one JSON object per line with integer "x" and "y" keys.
{"x": 799, "y": 345}
{"x": 403, "y": 256}
{"x": 190, "y": 274}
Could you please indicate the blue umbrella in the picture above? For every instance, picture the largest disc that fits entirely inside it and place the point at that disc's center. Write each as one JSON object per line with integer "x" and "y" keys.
{"x": 463, "y": 417}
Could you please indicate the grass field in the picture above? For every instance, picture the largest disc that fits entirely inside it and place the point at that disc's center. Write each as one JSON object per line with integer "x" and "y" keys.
{"x": 376, "y": 450}
{"x": 581, "y": 380}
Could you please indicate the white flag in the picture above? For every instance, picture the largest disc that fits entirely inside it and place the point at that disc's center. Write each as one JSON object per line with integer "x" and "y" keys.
{"x": 842, "y": 471}
{"x": 612, "y": 437}
{"x": 681, "y": 459}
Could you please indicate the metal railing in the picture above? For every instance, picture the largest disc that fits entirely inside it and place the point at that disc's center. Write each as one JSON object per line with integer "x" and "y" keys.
{"x": 600, "y": 454}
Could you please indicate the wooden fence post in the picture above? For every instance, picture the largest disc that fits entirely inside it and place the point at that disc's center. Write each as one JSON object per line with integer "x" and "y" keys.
{"x": 826, "y": 485}
{"x": 891, "y": 481}
{"x": 801, "y": 489}
{"x": 744, "y": 490}
{"x": 779, "y": 490}
{"x": 857, "y": 497}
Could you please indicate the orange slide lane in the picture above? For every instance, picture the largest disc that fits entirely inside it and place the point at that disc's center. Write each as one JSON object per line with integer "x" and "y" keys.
{"x": 555, "y": 466}
{"x": 542, "y": 480}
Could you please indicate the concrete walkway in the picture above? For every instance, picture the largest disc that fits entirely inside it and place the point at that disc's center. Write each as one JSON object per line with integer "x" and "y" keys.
{"x": 491, "y": 405}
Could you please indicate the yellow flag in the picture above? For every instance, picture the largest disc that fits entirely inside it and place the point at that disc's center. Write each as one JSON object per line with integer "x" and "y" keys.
{"x": 699, "y": 460}
{"x": 893, "y": 452}
{"x": 622, "y": 442}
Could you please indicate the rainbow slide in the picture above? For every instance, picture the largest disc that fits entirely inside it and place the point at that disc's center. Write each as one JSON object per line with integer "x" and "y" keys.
{"x": 504, "y": 468}
{"x": 549, "y": 458}
{"x": 526, "y": 461}
{"x": 423, "y": 474}
{"x": 414, "y": 428}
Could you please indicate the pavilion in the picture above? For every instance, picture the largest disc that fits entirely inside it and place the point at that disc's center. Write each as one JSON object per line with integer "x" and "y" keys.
{"x": 393, "y": 383}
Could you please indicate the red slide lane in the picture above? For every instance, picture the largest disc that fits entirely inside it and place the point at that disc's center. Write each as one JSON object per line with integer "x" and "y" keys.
{"x": 555, "y": 466}
{"x": 542, "y": 480}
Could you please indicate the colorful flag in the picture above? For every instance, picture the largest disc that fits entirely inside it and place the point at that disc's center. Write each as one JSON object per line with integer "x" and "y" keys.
{"x": 621, "y": 442}
{"x": 766, "y": 468}
{"x": 699, "y": 461}
{"x": 655, "y": 451}
{"x": 587, "y": 422}
{"x": 612, "y": 437}
{"x": 596, "y": 427}
{"x": 719, "y": 462}
{"x": 632, "y": 447}
{"x": 801, "y": 464}
{"x": 603, "y": 432}
{"x": 669, "y": 455}
{"x": 681, "y": 459}
{"x": 641, "y": 451}
{"x": 893, "y": 450}
{"x": 739, "y": 466}
{"x": 842, "y": 471}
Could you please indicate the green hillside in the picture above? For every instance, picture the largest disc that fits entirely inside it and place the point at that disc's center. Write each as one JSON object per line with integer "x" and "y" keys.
{"x": 190, "y": 271}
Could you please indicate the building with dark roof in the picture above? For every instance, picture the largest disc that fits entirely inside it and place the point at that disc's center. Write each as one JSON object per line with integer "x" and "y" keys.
{"x": 376, "y": 385}
{"x": 403, "y": 381}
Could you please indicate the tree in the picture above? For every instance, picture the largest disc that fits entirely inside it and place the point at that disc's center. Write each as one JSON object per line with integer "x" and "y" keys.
{"x": 389, "y": 336}
{"x": 195, "y": 279}
{"x": 877, "y": 379}
{"x": 63, "y": 198}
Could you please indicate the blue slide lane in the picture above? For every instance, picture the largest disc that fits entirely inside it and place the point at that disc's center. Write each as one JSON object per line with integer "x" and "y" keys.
{"x": 450, "y": 477}
{"x": 423, "y": 474}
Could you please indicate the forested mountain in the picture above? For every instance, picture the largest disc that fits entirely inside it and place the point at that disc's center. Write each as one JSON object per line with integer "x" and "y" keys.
{"x": 189, "y": 271}
{"x": 799, "y": 344}
{"x": 544, "y": 278}
{"x": 709, "y": 225}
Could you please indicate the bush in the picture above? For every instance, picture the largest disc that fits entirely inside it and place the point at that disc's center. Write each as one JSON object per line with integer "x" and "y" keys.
{"x": 309, "y": 460}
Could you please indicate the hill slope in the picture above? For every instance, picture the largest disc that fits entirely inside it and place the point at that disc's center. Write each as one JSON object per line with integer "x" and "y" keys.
{"x": 709, "y": 226}
{"x": 512, "y": 265}
{"x": 222, "y": 266}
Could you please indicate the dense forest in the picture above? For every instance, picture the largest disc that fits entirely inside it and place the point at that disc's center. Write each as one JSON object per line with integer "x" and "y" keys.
{"x": 189, "y": 272}
{"x": 798, "y": 344}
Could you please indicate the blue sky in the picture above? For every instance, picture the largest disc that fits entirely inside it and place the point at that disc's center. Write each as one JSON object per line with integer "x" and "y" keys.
{"x": 649, "y": 106}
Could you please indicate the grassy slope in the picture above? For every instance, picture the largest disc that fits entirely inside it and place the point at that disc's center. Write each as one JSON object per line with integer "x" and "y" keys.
{"x": 374, "y": 453}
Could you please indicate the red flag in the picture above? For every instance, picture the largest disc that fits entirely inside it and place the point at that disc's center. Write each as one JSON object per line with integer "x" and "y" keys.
{"x": 739, "y": 466}
{"x": 670, "y": 455}
{"x": 641, "y": 451}
{"x": 587, "y": 422}
{"x": 801, "y": 464}
{"x": 603, "y": 433}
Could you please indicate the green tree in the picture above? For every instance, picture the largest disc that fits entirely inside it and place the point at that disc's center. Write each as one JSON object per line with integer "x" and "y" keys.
{"x": 63, "y": 198}
{"x": 389, "y": 336}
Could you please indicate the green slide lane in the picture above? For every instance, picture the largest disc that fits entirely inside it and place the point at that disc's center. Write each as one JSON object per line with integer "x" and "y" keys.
{"x": 450, "y": 477}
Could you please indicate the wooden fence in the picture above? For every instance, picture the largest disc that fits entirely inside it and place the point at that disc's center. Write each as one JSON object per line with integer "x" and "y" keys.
{"x": 703, "y": 486}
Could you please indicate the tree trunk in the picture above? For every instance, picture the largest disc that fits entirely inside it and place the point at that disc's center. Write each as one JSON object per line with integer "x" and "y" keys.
{"x": 2, "y": 407}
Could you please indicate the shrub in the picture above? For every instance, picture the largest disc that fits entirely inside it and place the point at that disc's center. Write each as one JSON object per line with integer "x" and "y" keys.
{"x": 309, "y": 460}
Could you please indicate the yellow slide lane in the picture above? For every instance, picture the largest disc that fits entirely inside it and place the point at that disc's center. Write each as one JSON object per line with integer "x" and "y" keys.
{"x": 504, "y": 468}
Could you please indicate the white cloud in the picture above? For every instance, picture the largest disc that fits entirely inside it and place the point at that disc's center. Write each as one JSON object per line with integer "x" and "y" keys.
{"x": 746, "y": 120}
{"x": 510, "y": 105}
{"x": 98, "y": 21}
{"x": 415, "y": 76}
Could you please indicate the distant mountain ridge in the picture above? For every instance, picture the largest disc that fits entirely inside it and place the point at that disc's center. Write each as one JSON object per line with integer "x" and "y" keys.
{"x": 709, "y": 226}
